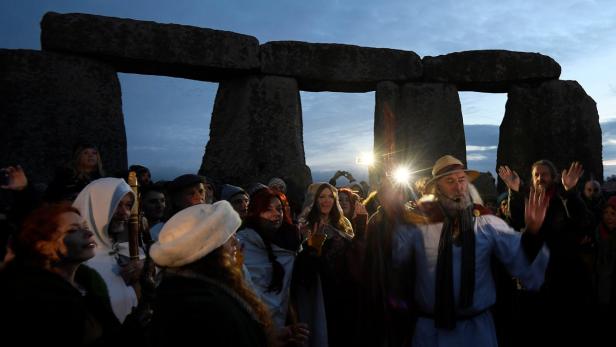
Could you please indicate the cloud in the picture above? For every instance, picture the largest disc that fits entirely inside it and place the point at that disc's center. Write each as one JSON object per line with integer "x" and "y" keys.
{"x": 476, "y": 157}
{"x": 480, "y": 148}
{"x": 146, "y": 148}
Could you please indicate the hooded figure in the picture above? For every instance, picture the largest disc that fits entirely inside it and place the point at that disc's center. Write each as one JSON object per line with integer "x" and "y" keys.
{"x": 97, "y": 203}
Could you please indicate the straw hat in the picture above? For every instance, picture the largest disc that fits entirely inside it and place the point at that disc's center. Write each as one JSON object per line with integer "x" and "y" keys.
{"x": 446, "y": 165}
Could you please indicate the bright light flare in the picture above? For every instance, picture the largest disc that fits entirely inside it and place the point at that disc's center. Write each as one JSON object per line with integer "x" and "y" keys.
{"x": 365, "y": 158}
{"x": 401, "y": 175}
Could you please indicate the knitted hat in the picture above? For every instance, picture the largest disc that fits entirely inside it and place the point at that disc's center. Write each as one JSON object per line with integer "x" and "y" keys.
{"x": 193, "y": 233}
{"x": 278, "y": 182}
{"x": 228, "y": 191}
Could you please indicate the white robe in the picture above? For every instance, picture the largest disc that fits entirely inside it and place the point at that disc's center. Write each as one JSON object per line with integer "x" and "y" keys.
{"x": 492, "y": 237}
{"x": 97, "y": 203}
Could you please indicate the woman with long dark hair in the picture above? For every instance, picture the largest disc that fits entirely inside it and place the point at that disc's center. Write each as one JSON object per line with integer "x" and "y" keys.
{"x": 323, "y": 275}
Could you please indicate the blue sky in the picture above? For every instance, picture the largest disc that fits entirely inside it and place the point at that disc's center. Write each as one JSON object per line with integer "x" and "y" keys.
{"x": 167, "y": 119}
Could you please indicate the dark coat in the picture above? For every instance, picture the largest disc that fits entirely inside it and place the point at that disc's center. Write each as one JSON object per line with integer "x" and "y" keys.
{"x": 554, "y": 315}
{"x": 191, "y": 311}
{"x": 567, "y": 221}
{"x": 40, "y": 307}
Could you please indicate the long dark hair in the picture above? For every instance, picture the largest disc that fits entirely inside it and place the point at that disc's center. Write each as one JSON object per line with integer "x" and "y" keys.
{"x": 335, "y": 218}
{"x": 219, "y": 265}
{"x": 286, "y": 236}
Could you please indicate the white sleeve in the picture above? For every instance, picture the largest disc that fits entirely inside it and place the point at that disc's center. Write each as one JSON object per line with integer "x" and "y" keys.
{"x": 507, "y": 246}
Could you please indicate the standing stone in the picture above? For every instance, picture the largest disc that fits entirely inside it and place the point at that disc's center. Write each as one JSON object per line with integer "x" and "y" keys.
{"x": 489, "y": 70}
{"x": 486, "y": 186}
{"x": 256, "y": 134}
{"x": 49, "y": 102}
{"x": 336, "y": 67}
{"x": 557, "y": 121}
{"x": 152, "y": 48}
{"x": 426, "y": 124}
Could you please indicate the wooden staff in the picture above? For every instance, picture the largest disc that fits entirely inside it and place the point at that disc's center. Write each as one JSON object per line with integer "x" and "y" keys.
{"x": 133, "y": 221}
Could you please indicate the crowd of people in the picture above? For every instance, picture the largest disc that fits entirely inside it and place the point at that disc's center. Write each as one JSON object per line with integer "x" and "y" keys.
{"x": 99, "y": 260}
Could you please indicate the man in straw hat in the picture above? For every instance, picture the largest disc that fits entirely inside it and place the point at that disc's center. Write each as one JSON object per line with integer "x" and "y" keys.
{"x": 449, "y": 242}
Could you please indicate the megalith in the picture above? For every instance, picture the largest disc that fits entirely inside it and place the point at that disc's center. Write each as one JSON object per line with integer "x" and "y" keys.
{"x": 146, "y": 47}
{"x": 49, "y": 102}
{"x": 337, "y": 67}
{"x": 489, "y": 70}
{"x": 421, "y": 121}
{"x": 557, "y": 121}
{"x": 256, "y": 134}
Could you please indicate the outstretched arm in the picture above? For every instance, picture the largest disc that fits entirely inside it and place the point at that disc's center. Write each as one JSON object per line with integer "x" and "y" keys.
{"x": 571, "y": 177}
{"x": 510, "y": 177}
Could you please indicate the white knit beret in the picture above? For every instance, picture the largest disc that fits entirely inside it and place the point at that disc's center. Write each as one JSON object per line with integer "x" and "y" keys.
{"x": 193, "y": 233}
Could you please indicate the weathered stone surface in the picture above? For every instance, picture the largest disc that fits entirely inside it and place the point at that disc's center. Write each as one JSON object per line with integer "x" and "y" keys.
{"x": 489, "y": 70}
{"x": 49, "y": 102}
{"x": 256, "y": 134}
{"x": 426, "y": 123}
{"x": 486, "y": 186}
{"x": 152, "y": 48}
{"x": 557, "y": 121}
{"x": 336, "y": 67}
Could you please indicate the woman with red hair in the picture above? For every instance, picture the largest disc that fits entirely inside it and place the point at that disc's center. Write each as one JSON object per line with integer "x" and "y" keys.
{"x": 270, "y": 243}
{"x": 46, "y": 292}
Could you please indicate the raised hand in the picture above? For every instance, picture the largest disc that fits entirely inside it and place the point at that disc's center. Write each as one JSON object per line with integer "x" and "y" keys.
{"x": 17, "y": 179}
{"x": 293, "y": 335}
{"x": 534, "y": 210}
{"x": 510, "y": 177}
{"x": 571, "y": 177}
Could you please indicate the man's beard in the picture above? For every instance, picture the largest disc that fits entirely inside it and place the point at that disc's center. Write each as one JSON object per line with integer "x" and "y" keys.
{"x": 118, "y": 230}
{"x": 454, "y": 205}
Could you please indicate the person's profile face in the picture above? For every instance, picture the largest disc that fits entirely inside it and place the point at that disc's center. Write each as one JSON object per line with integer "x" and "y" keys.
{"x": 78, "y": 239}
{"x": 122, "y": 212}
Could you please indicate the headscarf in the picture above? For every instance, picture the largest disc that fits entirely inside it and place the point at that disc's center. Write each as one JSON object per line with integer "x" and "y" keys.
{"x": 97, "y": 203}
